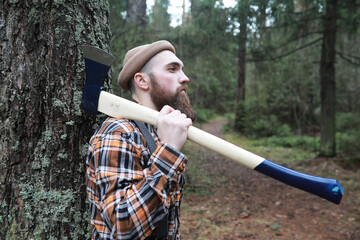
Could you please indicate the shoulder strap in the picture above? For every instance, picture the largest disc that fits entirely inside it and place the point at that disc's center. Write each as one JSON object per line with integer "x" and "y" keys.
{"x": 149, "y": 139}
{"x": 162, "y": 228}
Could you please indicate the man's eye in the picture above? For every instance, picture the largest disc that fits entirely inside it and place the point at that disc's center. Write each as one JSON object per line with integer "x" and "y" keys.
{"x": 172, "y": 69}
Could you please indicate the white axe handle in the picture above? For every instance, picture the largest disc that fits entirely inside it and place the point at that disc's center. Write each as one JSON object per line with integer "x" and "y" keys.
{"x": 118, "y": 107}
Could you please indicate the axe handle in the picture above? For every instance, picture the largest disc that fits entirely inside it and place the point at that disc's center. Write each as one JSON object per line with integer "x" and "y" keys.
{"x": 329, "y": 189}
{"x": 118, "y": 107}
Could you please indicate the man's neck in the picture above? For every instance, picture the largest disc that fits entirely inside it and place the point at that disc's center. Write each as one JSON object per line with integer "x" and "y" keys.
{"x": 145, "y": 100}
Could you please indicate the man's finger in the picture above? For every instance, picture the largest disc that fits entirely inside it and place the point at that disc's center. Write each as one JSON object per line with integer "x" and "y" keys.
{"x": 188, "y": 122}
{"x": 166, "y": 110}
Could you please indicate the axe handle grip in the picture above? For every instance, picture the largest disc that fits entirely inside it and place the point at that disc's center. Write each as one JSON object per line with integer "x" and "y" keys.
{"x": 329, "y": 189}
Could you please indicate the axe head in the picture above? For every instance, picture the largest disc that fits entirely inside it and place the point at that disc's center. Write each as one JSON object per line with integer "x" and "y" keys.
{"x": 97, "y": 65}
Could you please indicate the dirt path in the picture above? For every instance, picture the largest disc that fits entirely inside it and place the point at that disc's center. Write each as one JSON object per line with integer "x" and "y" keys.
{"x": 226, "y": 200}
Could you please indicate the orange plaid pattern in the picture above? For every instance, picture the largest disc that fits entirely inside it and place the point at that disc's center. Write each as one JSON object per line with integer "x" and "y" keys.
{"x": 129, "y": 189}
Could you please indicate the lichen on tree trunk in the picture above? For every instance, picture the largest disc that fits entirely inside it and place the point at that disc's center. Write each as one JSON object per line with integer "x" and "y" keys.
{"x": 44, "y": 133}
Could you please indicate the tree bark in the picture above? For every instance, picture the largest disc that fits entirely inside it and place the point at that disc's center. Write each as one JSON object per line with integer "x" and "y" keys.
{"x": 44, "y": 133}
{"x": 327, "y": 79}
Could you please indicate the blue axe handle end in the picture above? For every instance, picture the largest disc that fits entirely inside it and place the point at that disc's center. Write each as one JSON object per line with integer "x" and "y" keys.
{"x": 329, "y": 189}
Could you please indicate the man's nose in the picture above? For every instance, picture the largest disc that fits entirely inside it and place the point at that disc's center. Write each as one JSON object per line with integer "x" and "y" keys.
{"x": 183, "y": 78}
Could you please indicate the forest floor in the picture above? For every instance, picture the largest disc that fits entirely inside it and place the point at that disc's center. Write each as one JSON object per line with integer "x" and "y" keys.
{"x": 226, "y": 200}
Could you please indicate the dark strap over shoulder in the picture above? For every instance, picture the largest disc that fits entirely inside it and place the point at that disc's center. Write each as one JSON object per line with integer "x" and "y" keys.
{"x": 162, "y": 228}
{"x": 149, "y": 139}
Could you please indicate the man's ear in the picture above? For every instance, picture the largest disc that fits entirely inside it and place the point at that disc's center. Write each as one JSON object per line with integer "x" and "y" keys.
{"x": 142, "y": 80}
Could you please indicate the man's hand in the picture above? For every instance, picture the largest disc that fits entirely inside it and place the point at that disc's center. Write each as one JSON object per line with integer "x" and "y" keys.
{"x": 173, "y": 127}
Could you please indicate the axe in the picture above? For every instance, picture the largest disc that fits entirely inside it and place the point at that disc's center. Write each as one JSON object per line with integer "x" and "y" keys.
{"x": 94, "y": 100}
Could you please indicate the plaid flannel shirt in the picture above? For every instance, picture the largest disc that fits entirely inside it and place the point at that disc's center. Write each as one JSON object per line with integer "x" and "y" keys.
{"x": 129, "y": 189}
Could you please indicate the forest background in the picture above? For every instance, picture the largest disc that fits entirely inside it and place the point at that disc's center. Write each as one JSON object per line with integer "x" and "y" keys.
{"x": 278, "y": 69}
{"x": 285, "y": 73}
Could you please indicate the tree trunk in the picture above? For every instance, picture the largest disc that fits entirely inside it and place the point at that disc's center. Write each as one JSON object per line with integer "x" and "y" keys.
{"x": 327, "y": 78}
{"x": 183, "y": 17}
{"x": 160, "y": 17}
{"x": 44, "y": 133}
{"x": 136, "y": 12}
{"x": 240, "y": 92}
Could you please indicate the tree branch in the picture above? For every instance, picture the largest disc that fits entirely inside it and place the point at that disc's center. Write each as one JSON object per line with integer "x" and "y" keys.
{"x": 292, "y": 39}
{"x": 287, "y": 53}
{"x": 345, "y": 57}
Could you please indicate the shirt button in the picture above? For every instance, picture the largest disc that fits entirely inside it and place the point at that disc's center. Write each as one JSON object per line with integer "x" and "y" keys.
{"x": 178, "y": 172}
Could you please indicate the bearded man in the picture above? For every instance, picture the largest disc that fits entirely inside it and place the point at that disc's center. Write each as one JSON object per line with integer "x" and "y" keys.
{"x": 135, "y": 190}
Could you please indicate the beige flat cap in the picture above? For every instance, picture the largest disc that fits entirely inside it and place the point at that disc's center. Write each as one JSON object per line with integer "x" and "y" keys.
{"x": 137, "y": 57}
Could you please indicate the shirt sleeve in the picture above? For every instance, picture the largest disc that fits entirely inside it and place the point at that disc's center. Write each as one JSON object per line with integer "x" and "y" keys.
{"x": 131, "y": 199}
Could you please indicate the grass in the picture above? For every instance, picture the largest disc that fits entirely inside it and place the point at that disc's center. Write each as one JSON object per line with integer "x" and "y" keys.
{"x": 276, "y": 153}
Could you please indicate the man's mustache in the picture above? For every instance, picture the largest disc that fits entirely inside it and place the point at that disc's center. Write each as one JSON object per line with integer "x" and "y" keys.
{"x": 182, "y": 88}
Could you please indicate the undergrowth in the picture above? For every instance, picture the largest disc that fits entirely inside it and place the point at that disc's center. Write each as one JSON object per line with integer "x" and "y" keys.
{"x": 197, "y": 179}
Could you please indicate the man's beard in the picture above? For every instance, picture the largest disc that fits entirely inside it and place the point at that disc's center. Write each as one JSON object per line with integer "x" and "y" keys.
{"x": 179, "y": 101}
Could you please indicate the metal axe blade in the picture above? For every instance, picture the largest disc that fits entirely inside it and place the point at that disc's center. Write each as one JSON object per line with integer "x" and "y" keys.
{"x": 97, "y": 65}
{"x": 114, "y": 106}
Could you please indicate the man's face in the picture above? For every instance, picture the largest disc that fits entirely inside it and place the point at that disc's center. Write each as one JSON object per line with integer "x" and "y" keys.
{"x": 168, "y": 84}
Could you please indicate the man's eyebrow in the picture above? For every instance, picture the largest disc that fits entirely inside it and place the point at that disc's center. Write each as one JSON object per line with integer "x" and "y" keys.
{"x": 178, "y": 64}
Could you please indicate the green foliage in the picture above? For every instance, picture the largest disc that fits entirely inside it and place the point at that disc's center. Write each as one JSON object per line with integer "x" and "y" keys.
{"x": 259, "y": 123}
{"x": 347, "y": 143}
{"x": 196, "y": 176}
{"x": 346, "y": 122}
{"x": 204, "y": 115}
{"x": 348, "y": 133}
{"x": 310, "y": 144}
{"x": 262, "y": 126}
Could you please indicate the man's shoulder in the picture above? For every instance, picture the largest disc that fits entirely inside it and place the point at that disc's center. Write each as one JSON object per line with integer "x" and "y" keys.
{"x": 118, "y": 124}
{"x": 115, "y": 126}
